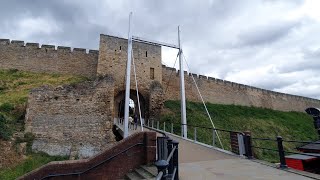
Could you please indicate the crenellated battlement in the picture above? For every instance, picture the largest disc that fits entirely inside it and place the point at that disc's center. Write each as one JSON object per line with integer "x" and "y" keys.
{"x": 45, "y": 47}
{"x": 29, "y": 56}
{"x": 34, "y": 57}
{"x": 235, "y": 86}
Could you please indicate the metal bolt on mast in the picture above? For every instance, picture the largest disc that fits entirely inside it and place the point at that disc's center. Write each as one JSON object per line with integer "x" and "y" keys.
{"x": 127, "y": 97}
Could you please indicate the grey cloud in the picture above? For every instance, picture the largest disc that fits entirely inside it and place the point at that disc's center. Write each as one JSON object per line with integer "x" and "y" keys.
{"x": 214, "y": 37}
{"x": 308, "y": 62}
{"x": 267, "y": 34}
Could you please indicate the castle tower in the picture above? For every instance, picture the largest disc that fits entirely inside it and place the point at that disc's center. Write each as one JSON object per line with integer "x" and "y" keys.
{"x": 112, "y": 62}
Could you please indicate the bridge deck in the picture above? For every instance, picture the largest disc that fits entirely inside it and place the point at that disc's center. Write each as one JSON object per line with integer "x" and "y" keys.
{"x": 198, "y": 161}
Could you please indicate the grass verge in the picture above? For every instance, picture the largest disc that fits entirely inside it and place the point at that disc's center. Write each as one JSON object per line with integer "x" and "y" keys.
{"x": 32, "y": 162}
{"x": 261, "y": 122}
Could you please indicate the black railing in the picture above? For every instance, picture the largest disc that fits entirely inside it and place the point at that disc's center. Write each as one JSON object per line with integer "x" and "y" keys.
{"x": 248, "y": 141}
{"x": 131, "y": 125}
{"x": 219, "y": 137}
{"x": 167, "y": 159}
{"x": 280, "y": 149}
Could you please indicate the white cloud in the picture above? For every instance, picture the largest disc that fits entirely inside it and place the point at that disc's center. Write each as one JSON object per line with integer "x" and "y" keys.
{"x": 29, "y": 26}
{"x": 265, "y": 43}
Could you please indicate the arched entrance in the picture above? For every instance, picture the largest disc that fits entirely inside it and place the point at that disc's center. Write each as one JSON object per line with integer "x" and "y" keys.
{"x": 119, "y": 102}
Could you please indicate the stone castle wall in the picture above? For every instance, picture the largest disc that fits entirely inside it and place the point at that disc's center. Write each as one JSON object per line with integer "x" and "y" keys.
{"x": 225, "y": 92}
{"x": 31, "y": 57}
{"x": 72, "y": 120}
{"x": 77, "y": 120}
{"x": 113, "y": 54}
{"x": 113, "y": 61}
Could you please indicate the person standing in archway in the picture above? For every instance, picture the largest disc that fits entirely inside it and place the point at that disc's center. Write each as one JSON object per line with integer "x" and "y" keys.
{"x": 135, "y": 121}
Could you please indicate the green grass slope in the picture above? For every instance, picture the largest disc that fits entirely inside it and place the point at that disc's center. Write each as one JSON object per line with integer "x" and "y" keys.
{"x": 262, "y": 123}
{"x": 14, "y": 89}
{"x": 33, "y": 161}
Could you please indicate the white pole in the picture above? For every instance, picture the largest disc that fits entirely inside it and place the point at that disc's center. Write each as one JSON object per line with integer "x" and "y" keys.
{"x": 137, "y": 90}
{"x": 127, "y": 98}
{"x": 182, "y": 92}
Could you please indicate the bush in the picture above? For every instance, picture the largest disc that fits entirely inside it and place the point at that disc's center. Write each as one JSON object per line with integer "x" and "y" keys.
{"x": 6, "y": 107}
{"x": 12, "y": 71}
{"x": 5, "y": 131}
{"x": 28, "y": 138}
{"x": 3, "y": 86}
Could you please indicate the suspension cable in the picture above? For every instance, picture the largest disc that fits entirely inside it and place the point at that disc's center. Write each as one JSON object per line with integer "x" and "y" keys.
{"x": 137, "y": 90}
{"x": 171, "y": 74}
{"x": 204, "y": 104}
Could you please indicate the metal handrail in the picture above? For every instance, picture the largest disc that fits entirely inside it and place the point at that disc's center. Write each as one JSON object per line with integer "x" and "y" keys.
{"x": 158, "y": 131}
{"x": 265, "y": 148}
{"x": 306, "y": 142}
{"x": 263, "y": 139}
{"x": 217, "y": 129}
{"x": 171, "y": 154}
{"x": 92, "y": 167}
{"x": 174, "y": 173}
{"x": 159, "y": 176}
{"x": 170, "y": 165}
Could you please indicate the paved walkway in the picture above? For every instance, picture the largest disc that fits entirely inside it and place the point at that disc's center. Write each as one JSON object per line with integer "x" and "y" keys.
{"x": 199, "y": 162}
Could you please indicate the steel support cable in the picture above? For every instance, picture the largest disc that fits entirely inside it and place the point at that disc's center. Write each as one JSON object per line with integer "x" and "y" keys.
{"x": 204, "y": 104}
{"x": 171, "y": 73}
{"x": 137, "y": 90}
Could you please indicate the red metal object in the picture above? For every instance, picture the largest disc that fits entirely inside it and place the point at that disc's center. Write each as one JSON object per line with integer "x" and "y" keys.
{"x": 302, "y": 162}
{"x": 295, "y": 164}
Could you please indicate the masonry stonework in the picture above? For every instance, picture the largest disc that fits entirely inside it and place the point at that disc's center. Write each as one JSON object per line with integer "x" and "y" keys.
{"x": 72, "y": 120}
{"x": 147, "y": 59}
{"x": 30, "y": 57}
{"x": 225, "y": 92}
{"x": 77, "y": 120}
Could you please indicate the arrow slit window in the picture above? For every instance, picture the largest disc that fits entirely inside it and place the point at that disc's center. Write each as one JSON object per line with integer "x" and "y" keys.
{"x": 151, "y": 73}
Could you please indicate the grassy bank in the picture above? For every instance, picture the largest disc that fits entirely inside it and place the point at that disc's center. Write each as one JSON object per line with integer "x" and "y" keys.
{"x": 32, "y": 162}
{"x": 14, "y": 88}
{"x": 262, "y": 123}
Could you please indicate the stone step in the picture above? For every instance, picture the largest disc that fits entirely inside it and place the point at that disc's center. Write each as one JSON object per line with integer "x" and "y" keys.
{"x": 133, "y": 176}
{"x": 144, "y": 173}
{"x": 151, "y": 169}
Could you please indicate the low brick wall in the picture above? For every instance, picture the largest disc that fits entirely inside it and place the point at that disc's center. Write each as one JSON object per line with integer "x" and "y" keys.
{"x": 106, "y": 165}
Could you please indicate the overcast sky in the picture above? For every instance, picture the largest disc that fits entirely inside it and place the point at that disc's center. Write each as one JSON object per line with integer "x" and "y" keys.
{"x": 270, "y": 44}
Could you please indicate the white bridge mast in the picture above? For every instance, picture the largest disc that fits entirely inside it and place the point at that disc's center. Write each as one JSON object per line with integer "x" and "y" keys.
{"x": 184, "y": 128}
{"x": 128, "y": 70}
{"x": 127, "y": 98}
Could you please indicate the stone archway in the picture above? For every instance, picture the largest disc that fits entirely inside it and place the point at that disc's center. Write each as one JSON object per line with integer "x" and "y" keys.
{"x": 119, "y": 100}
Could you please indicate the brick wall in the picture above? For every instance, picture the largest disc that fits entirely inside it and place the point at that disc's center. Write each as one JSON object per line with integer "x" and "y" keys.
{"x": 72, "y": 120}
{"x": 98, "y": 168}
{"x": 225, "y": 92}
{"x": 31, "y": 57}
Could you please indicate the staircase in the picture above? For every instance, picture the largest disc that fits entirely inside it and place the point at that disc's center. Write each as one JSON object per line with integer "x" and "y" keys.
{"x": 143, "y": 172}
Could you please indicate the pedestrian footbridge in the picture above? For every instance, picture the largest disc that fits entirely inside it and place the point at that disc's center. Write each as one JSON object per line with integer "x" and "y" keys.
{"x": 201, "y": 161}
